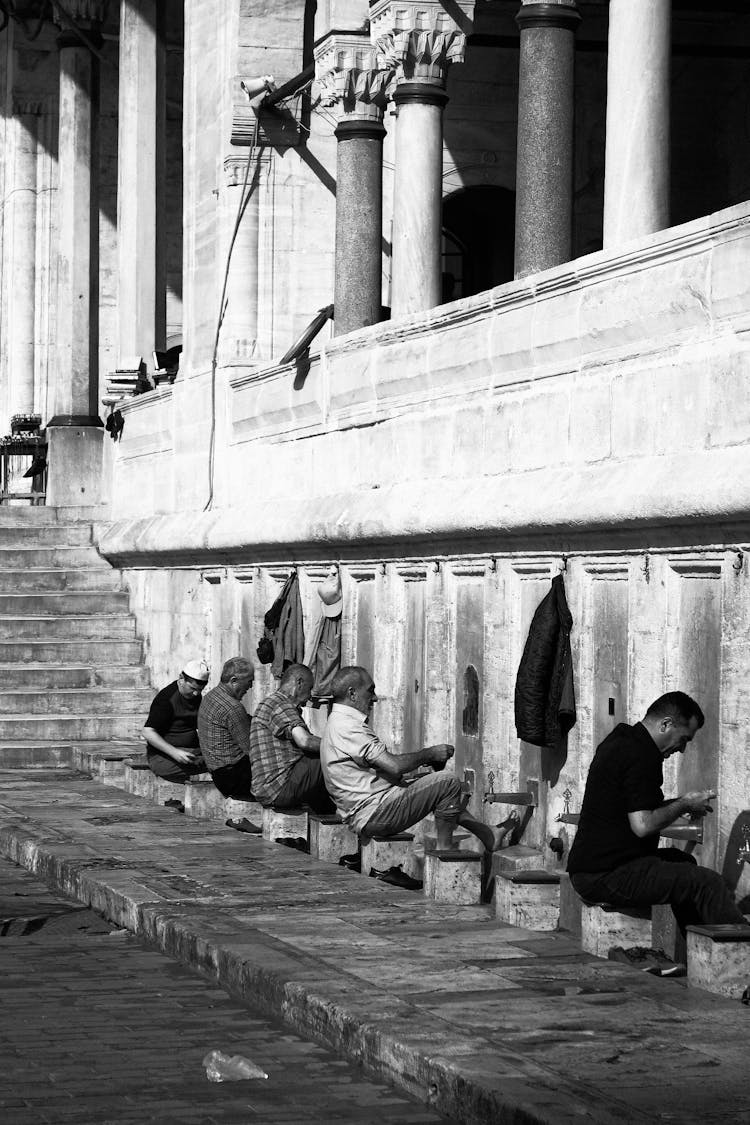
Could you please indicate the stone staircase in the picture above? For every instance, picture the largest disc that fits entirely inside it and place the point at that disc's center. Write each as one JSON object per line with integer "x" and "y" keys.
{"x": 71, "y": 665}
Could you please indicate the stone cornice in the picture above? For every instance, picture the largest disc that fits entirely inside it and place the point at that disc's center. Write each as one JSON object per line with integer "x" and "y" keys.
{"x": 348, "y": 75}
{"x": 420, "y": 40}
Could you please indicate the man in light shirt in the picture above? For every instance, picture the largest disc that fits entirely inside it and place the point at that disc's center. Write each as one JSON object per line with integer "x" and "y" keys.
{"x": 365, "y": 778}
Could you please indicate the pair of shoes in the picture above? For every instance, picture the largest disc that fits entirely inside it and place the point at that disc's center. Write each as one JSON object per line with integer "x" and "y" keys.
{"x": 244, "y": 825}
{"x": 351, "y": 862}
{"x": 395, "y": 877}
{"x": 654, "y": 961}
{"x": 174, "y": 803}
{"x": 299, "y": 843}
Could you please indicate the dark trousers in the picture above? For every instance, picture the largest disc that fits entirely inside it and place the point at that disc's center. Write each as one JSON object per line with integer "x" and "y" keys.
{"x": 305, "y": 786}
{"x": 697, "y": 895}
{"x": 170, "y": 770}
{"x": 235, "y": 780}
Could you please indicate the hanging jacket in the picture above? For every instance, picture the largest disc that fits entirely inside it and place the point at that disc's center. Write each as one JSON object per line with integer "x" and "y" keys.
{"x": 283, "y": 640}
{"x": 545, "y": 703}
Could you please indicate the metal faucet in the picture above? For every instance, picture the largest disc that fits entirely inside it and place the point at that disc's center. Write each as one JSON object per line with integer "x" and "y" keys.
{"x": 743, "y": 855}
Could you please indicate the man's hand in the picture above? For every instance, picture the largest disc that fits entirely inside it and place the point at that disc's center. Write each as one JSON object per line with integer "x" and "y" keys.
{"x": 183, "y": 757}
{"x": 697, "y": 803}
{"x": 436, "y": 756}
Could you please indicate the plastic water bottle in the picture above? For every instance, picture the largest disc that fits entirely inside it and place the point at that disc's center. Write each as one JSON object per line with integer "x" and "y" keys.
{"x": 226, "y": 1068}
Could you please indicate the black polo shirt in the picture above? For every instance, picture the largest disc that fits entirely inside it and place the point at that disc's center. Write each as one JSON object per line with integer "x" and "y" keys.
{"x": 175, "y": 718}
{"x": 625, "y": 776}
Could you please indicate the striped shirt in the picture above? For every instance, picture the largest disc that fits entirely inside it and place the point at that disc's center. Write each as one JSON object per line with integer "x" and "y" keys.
{"x": 223, "y": 728}
{"x": 273, "y": 753}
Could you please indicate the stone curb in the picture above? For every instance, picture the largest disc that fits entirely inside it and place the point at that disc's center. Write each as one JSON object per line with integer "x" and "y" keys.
{"x": 446, "y": 1073}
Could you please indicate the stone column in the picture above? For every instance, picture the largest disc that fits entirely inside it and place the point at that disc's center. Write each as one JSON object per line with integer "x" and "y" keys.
{"x": 636, "y": 179}
{"x": 141, "y": 301}
{"x": 420, "y": 41}
{"x": 544, "y": 174}
{"x": 351, "y": 83}
{"x": 239, "y": 339}
{"x": 75, "y": 431}
{"x": 21, "y": 219}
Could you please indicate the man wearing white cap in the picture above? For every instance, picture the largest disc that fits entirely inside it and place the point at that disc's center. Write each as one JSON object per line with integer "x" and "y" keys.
{"x": 171, "y": 729}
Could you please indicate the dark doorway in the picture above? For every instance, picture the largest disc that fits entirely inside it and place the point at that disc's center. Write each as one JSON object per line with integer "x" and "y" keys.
{"x": 478, "y": 238}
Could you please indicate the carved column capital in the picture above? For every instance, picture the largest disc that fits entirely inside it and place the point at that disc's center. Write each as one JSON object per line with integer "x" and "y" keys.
{"x": 349, "y": 79}
{"x": 420, "y": 40}
{"x": 90, "y": 11}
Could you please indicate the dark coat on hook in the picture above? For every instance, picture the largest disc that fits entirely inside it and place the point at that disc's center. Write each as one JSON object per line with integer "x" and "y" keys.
{"x": 545, "y": 702}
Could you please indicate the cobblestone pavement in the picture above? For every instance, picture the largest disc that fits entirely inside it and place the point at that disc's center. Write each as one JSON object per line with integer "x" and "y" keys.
{"x": 96, "y": 1028}
{"x": 488, "y": 1022}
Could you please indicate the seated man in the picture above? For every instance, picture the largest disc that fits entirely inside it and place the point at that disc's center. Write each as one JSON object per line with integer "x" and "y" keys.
{"x": 284, "y": 755}
{"x": 616, "y": 856}
{"x": 224, "y": 730}
{"x": 171, "y": 729}
{"x": 365, "y": 778}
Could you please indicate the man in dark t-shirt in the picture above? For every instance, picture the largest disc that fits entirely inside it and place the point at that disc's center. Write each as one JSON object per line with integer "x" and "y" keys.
{"x": 171, "y": 729}
{"x": 616, "y": 856}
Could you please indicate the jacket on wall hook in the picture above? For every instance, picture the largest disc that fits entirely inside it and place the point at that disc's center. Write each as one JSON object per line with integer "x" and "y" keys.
{"x": 545, "y": 703}
{"x": 283, "y": 640}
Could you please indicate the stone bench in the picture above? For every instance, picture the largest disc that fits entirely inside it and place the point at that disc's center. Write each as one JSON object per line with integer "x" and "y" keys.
{"x": 284, "y": 824}
{"x": 381, "y": 852}
{"x": 719, "y": 959}
{"x": 203, "y": 800}
{"x": 528, "y": 898}
{"x": 453, "y": 877}
{"x": 329, "y": 838}
{"x": 604, "y": 926}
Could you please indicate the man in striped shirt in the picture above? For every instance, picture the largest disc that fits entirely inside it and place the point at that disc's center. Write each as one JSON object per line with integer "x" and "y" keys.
{"x": 284, "y": 754}
{"x": 224, "y": 730}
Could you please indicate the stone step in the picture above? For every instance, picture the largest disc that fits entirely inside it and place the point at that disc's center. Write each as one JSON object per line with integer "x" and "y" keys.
{"x": 77, "y": 701}
{"x": 53, "y": 535}
{"x": 38, "y": 754}
{"x": 43, "y": 677}
{"x": 56, "y": 604}
{"x": 99, "y": 653}
{"x": 50, "y": 558}
{"x": 51, "y": 581}
{"x": 62, "y": 727}
{"x": 83, "y": 627}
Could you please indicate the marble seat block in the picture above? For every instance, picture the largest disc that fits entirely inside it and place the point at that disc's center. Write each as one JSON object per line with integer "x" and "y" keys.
{"x": 140, "y": 780}
{"x": 570, "y": 907}
{"x": 203, "y": 800}
{"x": 530, "y": 899}
{"x": 602, "y": 929}
{"x": 718, "y": 959}
{"x": 462, "y": 842}
{"x": 518, "y": 858}
{"x": 665, "y": 933}
{"x": 167, "y": 791}
{"x": 330, "y": 838}
{"x": 284, "y": 825}
{"x": 453, "y": 877}
{"x": 236, "y": 810}
{"x": 111, "y": 770}
{"x": 382, "y": 852}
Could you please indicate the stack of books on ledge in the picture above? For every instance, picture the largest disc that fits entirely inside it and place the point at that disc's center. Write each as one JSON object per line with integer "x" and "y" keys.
{"x": 126, "y": 381}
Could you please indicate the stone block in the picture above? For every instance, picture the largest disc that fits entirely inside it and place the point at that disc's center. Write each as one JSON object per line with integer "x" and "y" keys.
{"x": 665, "y": 933}
{"x": 236, "y": 810}
{"x": 453, "y": 877}
{"x": 601, "y": 929}
{"x": 719, "y": 959}
{"x": 163, "y": 791}
{"x": 330, "y": 838}
{"x": 570, "y": 907}
{"x": 288, "y": 824}
{"x": 139, "y": 780}
{"x": 530, "y": 899}
{"x": 519, "y": 857}
{"x": 462, "y": 842}
{"x": 112, "y": 771}
{"x": 203, "y": 800}
{"x": 382, "y": 852}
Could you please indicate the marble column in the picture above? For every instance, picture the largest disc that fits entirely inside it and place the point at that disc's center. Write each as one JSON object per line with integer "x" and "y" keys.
{"x": 636, "y": 179}
{"x": 420, "y": 42}
{"x": 544, "y": 174}
{"x": 239, "y": 339}
{"x": 141, "y": 300}
{"x": 75, "y": 431}
{"x": 352, "y": 86}
{"x": 21, "y": 224}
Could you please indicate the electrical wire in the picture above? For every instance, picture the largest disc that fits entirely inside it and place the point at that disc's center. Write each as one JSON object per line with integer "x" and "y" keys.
{"x": 245, "y": 196}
